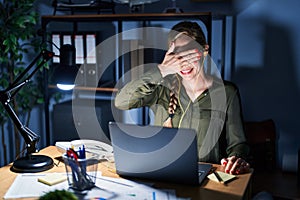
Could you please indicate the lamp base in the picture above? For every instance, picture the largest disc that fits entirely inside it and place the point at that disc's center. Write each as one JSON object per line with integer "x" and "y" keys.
{"x": 32, "y": 163}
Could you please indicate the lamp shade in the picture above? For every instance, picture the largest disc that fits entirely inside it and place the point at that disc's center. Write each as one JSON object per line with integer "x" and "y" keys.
{"x": 65, "y": 72}
{"x": 67, "y": 55}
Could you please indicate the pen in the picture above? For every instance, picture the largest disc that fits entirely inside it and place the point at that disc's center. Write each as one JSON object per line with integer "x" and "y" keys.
{"x": 112, "y": 181}
{"x": 83, "y": 157}
{"x": 81, "y": 152}
{"x": 153, "y": 196}
{"x": 218, "y": 177}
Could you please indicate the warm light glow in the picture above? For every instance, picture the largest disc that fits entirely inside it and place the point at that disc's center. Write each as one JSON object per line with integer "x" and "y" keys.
{"x": 65, "y": 86}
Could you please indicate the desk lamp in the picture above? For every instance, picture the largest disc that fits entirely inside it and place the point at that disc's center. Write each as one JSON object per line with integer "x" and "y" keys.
{"x": 173, "y": 8}
{"x": 30, "y": 162}
{"x": 135, "y": 5}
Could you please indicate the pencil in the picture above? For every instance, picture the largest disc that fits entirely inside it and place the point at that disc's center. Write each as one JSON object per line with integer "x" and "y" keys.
{"x": 218, "y": 177}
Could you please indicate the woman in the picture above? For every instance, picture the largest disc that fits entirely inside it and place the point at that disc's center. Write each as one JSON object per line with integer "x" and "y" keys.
{"x": 183, "y": 95}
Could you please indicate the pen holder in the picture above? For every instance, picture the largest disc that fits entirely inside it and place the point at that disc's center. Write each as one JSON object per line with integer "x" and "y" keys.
{"x": 81, "y": 173}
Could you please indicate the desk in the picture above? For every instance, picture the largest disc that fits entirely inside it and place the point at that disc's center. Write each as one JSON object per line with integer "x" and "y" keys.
{"x": 237, "y": 189}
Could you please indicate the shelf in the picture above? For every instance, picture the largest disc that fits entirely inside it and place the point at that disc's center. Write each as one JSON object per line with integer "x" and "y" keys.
{"x": 84, "y": 88}
{"x": 126, "y": 17}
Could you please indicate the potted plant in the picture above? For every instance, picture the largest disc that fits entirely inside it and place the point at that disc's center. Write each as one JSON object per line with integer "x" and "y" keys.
{"x": 59, "y": 195}
{"x": 18, "y": 39}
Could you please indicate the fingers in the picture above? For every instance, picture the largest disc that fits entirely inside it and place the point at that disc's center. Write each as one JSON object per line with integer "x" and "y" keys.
{"x": 235, "y": 165}
{"x": 171, "y": 48}
{"x": 244, "y": 167}
{"x": 224, "y": 161}
{"x": 189, "y": 55}
{"x": 181, "y": 59}
{"x": 191, "y": 52}
{"x": 231, "y": 161}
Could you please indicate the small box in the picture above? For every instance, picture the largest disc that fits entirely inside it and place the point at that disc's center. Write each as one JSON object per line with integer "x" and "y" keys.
{"x": 81, "y": 173}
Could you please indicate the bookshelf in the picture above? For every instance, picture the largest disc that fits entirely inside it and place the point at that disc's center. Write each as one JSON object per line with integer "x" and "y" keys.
{"x": 104, "y": 26}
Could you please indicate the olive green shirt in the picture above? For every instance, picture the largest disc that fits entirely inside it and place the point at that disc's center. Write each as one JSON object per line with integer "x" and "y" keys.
{"x": 215, "y": 114}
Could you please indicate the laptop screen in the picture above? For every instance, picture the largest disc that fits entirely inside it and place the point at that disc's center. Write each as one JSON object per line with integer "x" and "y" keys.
{"x": 152, "y": 152}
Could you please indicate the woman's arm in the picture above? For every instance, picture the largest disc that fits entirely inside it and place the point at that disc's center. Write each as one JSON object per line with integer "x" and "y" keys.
{"x": 140, "y": 92}
{"x": 237, "y": 148}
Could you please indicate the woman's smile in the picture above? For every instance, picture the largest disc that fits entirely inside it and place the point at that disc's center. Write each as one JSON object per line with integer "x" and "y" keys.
{"x": 186, "y": 71}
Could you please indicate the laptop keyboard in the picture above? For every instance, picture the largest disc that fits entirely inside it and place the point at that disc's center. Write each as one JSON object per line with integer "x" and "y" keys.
{"x": 200, "y": 172}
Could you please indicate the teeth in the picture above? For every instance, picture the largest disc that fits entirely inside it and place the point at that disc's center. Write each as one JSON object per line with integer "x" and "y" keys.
{"x": 186, "y": 71}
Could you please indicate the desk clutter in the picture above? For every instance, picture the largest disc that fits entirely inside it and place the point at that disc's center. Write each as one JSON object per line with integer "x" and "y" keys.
{"x": 28, "y": 186}
{"x": 83, "y": 180}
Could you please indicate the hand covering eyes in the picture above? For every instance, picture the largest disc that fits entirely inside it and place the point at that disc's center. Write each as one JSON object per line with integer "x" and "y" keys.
{"x": 190, "y": 46}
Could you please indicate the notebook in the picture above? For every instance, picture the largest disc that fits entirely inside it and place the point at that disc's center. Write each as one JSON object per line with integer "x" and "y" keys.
{"x": 157, "y": 153}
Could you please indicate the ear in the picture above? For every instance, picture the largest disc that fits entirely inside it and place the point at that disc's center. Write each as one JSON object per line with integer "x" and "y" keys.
{"x": 206, "y": 47}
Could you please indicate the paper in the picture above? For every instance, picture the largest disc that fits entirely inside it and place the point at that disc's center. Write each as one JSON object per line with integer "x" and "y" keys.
{"x": 27, "y": 185}
{"x": 127, "y": 190}
{"x": 224, "y": 176}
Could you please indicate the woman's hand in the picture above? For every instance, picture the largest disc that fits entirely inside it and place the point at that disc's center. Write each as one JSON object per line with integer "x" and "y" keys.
{"x": 235, "y": 165}
{"x": 173, "y": 62}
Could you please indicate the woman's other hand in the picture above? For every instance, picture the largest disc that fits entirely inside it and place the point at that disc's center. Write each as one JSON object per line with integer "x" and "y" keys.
{"x": 235, "y": 165}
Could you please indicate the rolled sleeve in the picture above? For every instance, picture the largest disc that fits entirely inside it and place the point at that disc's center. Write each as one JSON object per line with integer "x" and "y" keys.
{"x": 139, "y": 92}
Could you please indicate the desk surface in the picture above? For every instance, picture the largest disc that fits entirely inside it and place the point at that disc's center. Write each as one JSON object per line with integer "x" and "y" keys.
{"x": 237, "y": 189}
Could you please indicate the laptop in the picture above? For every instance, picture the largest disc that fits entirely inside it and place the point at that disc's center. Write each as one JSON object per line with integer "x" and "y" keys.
{"x": 157, "y": 153}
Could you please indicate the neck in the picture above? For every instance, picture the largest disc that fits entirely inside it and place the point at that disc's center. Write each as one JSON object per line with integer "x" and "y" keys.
{"x": 197, "y": 83}
{"x": 196, "y": 86}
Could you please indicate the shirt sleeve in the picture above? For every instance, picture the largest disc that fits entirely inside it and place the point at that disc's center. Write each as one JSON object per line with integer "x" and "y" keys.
{"x": 140, "y": 92}
{"x": 235, "y": 135}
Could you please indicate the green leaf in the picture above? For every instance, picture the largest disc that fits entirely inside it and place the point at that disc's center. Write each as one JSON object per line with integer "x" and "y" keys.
{"x": 40, "y": 100}
{"x": 5, "y": 42}
{"x": 13, "y": 39}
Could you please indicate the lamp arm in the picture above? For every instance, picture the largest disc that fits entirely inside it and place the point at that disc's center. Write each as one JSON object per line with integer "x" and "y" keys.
{"x": 29, "y": 136}
{"x": 47, "y": 55}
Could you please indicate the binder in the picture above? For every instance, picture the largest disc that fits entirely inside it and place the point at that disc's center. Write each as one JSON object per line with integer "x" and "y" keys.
{"x": 55, "y": 47}
{"x": 79, "y": 46}
{"x": 91, "y": 69}
{"x": 91, "y": 49}
{"x": 78, "y": 40}
{"x": 67, "y": 39}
